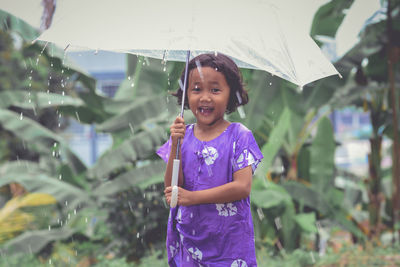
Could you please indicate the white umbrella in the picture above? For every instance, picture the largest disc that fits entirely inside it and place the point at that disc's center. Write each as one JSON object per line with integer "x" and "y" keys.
{"x": 255, "y": 34}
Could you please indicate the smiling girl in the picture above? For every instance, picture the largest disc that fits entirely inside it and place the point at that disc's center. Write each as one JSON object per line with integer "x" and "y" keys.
{"x": 212, "y": 224}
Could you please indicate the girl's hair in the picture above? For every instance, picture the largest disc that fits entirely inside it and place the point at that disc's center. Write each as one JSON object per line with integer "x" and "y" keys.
{"x": 228, "y": 68}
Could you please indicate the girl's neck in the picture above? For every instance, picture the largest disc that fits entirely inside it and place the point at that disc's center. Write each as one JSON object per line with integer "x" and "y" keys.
{"x": 209, "y": 132}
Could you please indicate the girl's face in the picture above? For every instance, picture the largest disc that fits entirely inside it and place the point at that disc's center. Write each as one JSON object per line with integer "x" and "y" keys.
{"x": 208, "y": 97}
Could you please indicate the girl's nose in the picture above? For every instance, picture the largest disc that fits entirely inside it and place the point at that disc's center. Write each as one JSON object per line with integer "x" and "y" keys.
{"x": 205, "y": 97}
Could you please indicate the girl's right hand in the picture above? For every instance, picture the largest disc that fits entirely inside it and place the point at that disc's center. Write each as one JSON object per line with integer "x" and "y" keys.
{"x": 177, "y": 129}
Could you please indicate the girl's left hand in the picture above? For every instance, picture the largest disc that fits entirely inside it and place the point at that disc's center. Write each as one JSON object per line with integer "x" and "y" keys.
{"x": 184, "y": 196}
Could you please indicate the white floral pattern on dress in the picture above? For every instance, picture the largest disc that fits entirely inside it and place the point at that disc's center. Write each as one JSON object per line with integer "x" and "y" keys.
{"x": 174, "y": 249}
{"x": 244, "y": 157}
{"x": 226, "y": 210}
{"x": 196, "y": 253}
{"x": 239, "y": 263}
{"x": 179, "y": 216}
{"x": 210, "y": 154}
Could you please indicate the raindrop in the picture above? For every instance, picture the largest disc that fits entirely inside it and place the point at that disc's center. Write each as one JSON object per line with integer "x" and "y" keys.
{"x": 63, "y": 93}
{"x": 216, "y": 69}
{"x": 30, "y": 77}
{"x": 131, "y": 127}
{"x": 137, "y": 235}
{"x": 144, "y": 63}
{"x": 69, "y": 216}
{"x": 300, "y": 88}
{"x": 260, "y": 214}
{"x": 65, "y": 49}
{"x": 129, "y": 77}
{"x": 62, "y": 71}
{"x": 66, "y": 203}
{"x": 74, "y": 211}
{"x": 77, "y": 116}
{"x": 37, "y": 61}
{"x": 49, "y": 261}
{"x": 86, "y": 220}
{"x": 59, "y": 125}
{"x": 21, "y": 116}
{"x": 60, "y": 177}
{"x": 181, "y": 85}
{"x": 30, "y": 84}
{"x": 193, "y": 232}
{"x": 198, "y": 64}
{"x": 130, "y": 206}
{"x": 54, "y": 153}
{"x": 51, "y": 64}
{"x": 132, "y": 84}
{"x": 49, "y": 102}
{"x": 241, "y": 112}
{"x": 215, "y": 53}
{"x": 49, "y": 227}
{"x": 165, "y": 68}
{"x": 270, "y": 83}
{"x": 312, "y": 257}
{"x": 319, "y": 228}
{"x": 278, "y": 223}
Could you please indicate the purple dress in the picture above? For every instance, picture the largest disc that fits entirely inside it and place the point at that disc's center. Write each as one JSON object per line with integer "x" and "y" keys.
{"x": 213, "y": 234}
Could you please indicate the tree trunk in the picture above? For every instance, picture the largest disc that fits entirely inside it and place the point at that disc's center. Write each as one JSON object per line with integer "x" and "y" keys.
{"x": 375, "y": 192}
{"x": 392, "y": 58}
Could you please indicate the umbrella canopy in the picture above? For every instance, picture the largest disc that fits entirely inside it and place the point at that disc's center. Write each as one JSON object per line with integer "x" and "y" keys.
{"x": 255, "y": 34}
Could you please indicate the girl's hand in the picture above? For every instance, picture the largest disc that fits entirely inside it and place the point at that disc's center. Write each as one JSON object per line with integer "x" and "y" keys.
{"x": 178, "y": 129}
{"x": 184, "y": 196}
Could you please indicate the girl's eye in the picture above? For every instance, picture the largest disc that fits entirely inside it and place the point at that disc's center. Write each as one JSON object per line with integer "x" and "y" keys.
{"x": 196, "y": 89}
{"x": 215, "y": 90}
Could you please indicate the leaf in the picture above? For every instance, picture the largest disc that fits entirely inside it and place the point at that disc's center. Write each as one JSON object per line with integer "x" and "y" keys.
{"x": 13, "y": 23}
{"x": 306, "y": 221}
{"x": 268, "y": 195}
{"x": 141, "y": 110}
{"x": 141, "y": 177}
{"x": 40, "y": 100}
{"x": 34, "y": 241}
{"x": 275, "y": 142}
{"x": 322, "y": 153}
{"x": 329, "y": 17}
{"x": 37, "y": 181}
{"x": 309, "y": 197}
{"x": 32, "y": 132}
{"x": 140, "y": 146}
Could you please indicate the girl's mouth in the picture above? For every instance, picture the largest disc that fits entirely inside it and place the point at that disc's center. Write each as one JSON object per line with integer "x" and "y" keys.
{"x": 205, "y": 111}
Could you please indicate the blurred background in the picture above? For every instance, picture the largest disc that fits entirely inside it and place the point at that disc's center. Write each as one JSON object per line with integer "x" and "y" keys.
{"x": 81, "y": 185}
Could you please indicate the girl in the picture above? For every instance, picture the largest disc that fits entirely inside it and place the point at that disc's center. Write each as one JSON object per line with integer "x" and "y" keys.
{"x": 212, "y": 223}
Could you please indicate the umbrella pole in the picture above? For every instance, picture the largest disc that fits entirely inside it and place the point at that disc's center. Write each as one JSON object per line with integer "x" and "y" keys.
{"x": 175, "y": 167}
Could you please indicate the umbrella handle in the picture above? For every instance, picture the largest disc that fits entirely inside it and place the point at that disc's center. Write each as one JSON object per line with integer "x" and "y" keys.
{"x": 175, "y": 168}
{"x": 174, "y": 183}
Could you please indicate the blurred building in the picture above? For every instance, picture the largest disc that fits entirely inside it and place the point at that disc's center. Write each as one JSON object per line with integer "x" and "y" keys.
{"x": 109, "y": 70}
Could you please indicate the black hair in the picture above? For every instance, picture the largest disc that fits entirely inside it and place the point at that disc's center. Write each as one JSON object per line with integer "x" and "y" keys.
{"x": 231, "y": 72}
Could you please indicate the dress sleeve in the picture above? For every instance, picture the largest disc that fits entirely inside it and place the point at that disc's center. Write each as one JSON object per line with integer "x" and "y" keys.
{"x": 164, "y": 150}
{"x": 246, "y": 152}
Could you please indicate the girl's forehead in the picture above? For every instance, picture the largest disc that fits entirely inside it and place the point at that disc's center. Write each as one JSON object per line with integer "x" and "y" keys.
{"x": 206, "y": 74}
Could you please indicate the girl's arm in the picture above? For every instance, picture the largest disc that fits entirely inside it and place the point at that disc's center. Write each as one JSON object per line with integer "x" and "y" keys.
{"x": 238, "y": 189}
{"x": 177, "y": 131}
